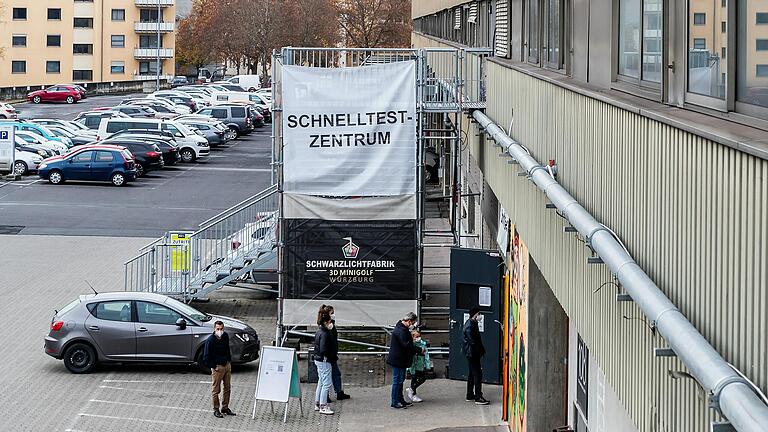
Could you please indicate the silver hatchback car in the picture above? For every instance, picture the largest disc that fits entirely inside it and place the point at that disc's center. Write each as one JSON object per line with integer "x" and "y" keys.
{"x": 139, "y": 327}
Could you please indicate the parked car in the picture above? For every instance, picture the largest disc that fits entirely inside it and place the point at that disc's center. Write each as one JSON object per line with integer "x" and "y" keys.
{"x": 177, "y": 98}
{"x": 92, "y": 163}
{"x": 248, "y": 82}
{"x": 7, "y": 111}
{"x": 92, "y": 119}
{"x": 78, "y": 87}
{"x": 57, "y": 93}
{"x": 191, "y": 146}
{"x": 168, "y": 147}
{"x": 34, "y": 139}
{"x": 237, "y": 118}
{"x": 76, "y": 139}
{"x": 34, "y": 148}
{"x": 26, "y": 161}
{"x": 154, "y": 103}
{"x": 136, "y": 111}
{"x": 212, "y": 131}
{"x": 257, "y": 120}
{"x": 147, "y": 155}
{"x": 41, "y": 130}
{"x": 165, "y": 331}
{"x": 178, "y": 81}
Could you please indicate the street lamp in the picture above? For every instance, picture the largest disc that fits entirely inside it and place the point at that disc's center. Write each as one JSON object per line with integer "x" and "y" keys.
{"x": 157, "y": 60}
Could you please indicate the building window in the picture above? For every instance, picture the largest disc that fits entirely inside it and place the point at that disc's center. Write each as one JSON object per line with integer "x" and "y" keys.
{"x": 762, "y": 44}
{"x": 53, "y": 41}
{"x": 723, "y": 27}
{"x": 82, "y": 75}
{"x": 532, "y": 31}
{"x": 83, "y": 22}
{"x": 18, "y": 66}
{"x": 117, "y": 67}
{"x": 118, "y": 14}
{"x": 699, "y": 43}
{"x": 149, "y": 41}
{"x": 20, "y": 13}
{"x": 82, "y": 49}
{"x": 54, "y": 14}
{"x": 19, "y": 40}
{"x": 149, "y": 15}
{"x": 761, "y": 70}
{"x": 706, "y": 52}
{"x": 640, "y": 53}
{"x": 118, "y": 41}
{"x": 554, "y": 33}
{"x": 761, "y": 18}
{"x": 53, "y": 67}
{"x": 544, "y": 33}
{"x": 722, "y": 55}
{"x": 699, "y": 18}
{"x": 149, "y": 68}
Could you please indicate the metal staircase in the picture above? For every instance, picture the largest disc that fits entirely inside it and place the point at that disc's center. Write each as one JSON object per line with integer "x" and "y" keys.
{"x": 237, "y": 245}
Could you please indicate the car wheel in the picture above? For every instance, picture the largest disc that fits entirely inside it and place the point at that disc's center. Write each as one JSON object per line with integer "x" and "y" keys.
{"x": 140, "y": 170}
{"x": 37, "y": 99}
{"x": 20, "y": 168}
{"x": 70, "y": 100}
{"x": 234, "y": 132}
{"x": 118, "y": 179}
{"x": 252, "y": 89}
{"x": 55, "y": 177}
{"x": 187, "y": 155}
{"x": 80, "y": 358}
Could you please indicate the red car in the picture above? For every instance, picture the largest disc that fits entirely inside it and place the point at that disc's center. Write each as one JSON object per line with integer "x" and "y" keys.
{"x": 57, "y": 93}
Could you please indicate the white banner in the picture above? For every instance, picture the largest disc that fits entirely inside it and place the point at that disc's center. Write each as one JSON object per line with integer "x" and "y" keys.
{"x": 350, "y": 131}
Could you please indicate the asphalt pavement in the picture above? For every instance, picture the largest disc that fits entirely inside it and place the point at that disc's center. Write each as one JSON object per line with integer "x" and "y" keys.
{"x": 179, "y": 197}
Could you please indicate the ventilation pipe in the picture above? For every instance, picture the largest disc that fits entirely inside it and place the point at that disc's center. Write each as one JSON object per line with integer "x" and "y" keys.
{"x": 729, "y": 392}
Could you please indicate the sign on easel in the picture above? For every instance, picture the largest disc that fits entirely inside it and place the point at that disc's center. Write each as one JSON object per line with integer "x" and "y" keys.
{"x": 278, "y": 378}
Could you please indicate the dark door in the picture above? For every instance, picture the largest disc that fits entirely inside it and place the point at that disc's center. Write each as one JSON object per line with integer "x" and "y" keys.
{"x": 111, "y": 327}
{"x": 80, "y": 166}
{"x": 476, "y": 281}
{"x": 103, "y": 165}
{"x": 157, "y": 335}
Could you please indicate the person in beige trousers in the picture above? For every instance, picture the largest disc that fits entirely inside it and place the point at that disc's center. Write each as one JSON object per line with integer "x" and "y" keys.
{"x": 216, "y": 355}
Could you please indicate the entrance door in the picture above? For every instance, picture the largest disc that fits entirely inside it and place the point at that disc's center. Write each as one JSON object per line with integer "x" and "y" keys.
{"x": 476, "y": 281}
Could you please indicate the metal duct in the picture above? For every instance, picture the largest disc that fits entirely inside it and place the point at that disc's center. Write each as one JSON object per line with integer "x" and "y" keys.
{"x": 734, "y": 396}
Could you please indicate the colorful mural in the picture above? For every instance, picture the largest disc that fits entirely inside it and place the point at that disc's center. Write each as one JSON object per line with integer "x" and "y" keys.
{"x": 517, "y": 334}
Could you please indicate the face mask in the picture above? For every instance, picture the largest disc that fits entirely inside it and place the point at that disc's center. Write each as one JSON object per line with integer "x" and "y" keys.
{"x": 219, "y": 333}
{"x": 333, "y": 316}
{"x": 329, "y": 326}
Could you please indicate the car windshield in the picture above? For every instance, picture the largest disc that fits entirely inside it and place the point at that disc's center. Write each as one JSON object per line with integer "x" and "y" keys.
{"x": 188, "y": 310}
{"x": 68, "y": 307}
{"x": 32, "y": 136}
{"x": 184, "y": 129}
{"x": 64, "y": 132}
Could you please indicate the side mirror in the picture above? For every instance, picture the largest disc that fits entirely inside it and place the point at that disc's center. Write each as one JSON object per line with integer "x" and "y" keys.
{"x": 181, "y": 323}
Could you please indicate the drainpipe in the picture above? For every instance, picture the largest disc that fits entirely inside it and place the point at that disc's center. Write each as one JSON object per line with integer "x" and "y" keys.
{"x": 729, "y": 392}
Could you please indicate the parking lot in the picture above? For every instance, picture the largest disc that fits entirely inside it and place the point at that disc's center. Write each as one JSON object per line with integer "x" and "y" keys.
{"x": 178, "y": 197}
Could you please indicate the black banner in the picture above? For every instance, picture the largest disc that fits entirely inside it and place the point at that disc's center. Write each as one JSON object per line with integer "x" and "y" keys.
{"x": 350, "y": 260}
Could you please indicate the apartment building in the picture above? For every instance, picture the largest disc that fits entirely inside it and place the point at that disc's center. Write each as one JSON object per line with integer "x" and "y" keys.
{"x": 653, "y": 116}
{"x": 55, "y": 41}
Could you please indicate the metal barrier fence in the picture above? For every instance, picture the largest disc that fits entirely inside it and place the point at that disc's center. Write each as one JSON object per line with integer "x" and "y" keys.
{"x": 160, "y": 267}
{"x": 473, "y": 75}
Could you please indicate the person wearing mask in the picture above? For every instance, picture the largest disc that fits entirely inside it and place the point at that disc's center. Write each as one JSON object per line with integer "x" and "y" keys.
{"x": 335, "y": 371}
{"x": 216, "y": 355}
{"x": 326, "y": 352}
{"x": 474, "y": 351}
{"x": 418, "y": 369}
{"x": 400, "y": 357}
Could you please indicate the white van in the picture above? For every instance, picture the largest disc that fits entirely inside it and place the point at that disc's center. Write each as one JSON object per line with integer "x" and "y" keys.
{"x": 191, "y": 145}
{"x": 219, "y": 97}
{"x": 248, "y": 82}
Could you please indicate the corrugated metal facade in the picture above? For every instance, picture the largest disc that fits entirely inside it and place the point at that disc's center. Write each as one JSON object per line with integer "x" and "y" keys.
{"x": 692, "y": 212}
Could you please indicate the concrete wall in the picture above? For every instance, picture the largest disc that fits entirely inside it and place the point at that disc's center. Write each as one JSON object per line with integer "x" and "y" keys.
{"x": 426, "y": 7}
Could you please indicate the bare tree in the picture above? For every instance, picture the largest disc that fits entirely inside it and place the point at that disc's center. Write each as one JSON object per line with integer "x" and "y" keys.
{"x": 375, "y": 23}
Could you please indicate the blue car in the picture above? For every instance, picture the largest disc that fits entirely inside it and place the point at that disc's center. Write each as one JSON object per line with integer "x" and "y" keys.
{"x": 40, "y": 130}
{"x": 98, "y": 162}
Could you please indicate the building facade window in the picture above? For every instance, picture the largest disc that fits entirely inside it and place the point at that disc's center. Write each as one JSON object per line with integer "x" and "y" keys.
{"x": 19, "y": 40}
{"x": 82, "y": 75}
{"x": 149, "y": 15}
{"x": 699, "y": 18}
{"x": 118, "y": 41}
{"x": 761, "y": 70}
{"x": 761, "y": 18}
{"x": 640, "y": 40}
{"x": 699, "y": 43}
{"x": 118, "y": 14}
{"x": 149, "y": 68}
{"x": 53, "y": 40}
{"x": 149, "y": 41}
{"x": 83, "y": 22}
{"x": 19, "y": 13}
{"x": 53, "y": 67}
{"x": 82, "y": 48}
{"x": 18, "y": 66}
{"x": 761, "y": 45}
{"x": 54, "y": 14}
{"x": 751, "y": 61}
{"x": 544, "y": 31}
{"x": 117, "y": 67}
{"x": 707, "y": 72}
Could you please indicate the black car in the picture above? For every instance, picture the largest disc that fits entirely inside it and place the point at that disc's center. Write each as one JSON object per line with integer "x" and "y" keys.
{"x": 147, "y": 155}
{"x": 179, "y": 81}
{"x": 167, "y": 146}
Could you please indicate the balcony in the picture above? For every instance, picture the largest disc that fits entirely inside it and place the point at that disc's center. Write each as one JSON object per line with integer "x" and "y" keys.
{"x": 152, "y": 53}
{"x": 151, "y": 77}
{"x": 154, "y": 3}
{"x": 151, "y": 27}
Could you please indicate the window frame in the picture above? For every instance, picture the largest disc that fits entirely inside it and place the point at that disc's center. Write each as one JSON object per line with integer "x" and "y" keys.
{"x": 51, "y": 62}
{"x": 641, "y": 86}
{"x": 22, "y": 62}
{"x": 112, "y": 41}
{"x": 112, "y": 14}
{"x": 93, "y": 307}
{"x": 48, "y": 41}
{"x": 48, "y": 14}
{"x": 138, "y": 313}
{"x": 542, "y": 60}
{"x": 14, "y": 36}
{"x": 13, "y": 14}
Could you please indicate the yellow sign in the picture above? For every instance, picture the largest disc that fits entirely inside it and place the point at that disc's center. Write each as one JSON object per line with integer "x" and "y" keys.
{"x": 180, "y": 253}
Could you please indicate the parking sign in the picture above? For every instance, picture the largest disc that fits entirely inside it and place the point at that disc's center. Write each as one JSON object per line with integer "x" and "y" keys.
{"x": 7, "y": 147}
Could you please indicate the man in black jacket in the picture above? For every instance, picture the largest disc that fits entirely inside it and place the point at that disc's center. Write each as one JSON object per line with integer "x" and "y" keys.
{"x": 400, "y": 357}
{"x": 474, "y": 350}
{"x": 216, "y": 355}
